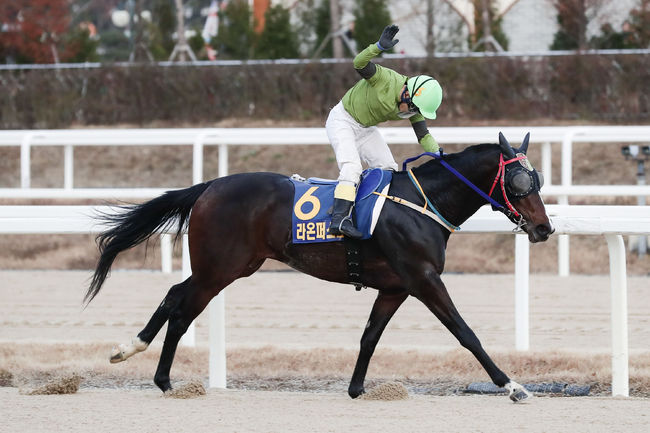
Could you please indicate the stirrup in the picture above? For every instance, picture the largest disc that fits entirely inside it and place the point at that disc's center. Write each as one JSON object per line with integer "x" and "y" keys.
{"x": 347, "y": 228}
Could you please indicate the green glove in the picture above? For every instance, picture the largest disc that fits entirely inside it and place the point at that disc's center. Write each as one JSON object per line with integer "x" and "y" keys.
{"x": 429, "y": 144}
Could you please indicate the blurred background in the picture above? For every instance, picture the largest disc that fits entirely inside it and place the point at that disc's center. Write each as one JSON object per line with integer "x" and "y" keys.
{"x": 66, "y": 63}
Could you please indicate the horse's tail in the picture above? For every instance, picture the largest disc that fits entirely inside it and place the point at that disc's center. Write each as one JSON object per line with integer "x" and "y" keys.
{"x": 137, "y": 224}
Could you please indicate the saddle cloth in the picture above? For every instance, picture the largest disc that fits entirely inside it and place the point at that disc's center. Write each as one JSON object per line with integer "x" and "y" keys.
{"x": 313, "y": 200}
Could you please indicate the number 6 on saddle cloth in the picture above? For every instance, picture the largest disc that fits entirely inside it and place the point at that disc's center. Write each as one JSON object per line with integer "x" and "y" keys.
{"x": 314, "y": 197}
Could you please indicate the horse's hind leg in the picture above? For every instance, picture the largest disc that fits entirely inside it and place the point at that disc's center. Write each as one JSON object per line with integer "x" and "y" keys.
{"x": 435, "y": 296}
{"x": 197, "y": 295}
{"x": 146, "y": 336}
{"x": 383, "y": 310}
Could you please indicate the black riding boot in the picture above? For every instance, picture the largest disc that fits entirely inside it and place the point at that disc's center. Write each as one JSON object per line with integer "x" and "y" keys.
{"x": 342, "y": 220}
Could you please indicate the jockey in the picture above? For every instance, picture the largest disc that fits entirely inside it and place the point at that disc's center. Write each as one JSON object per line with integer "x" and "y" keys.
{"x": 381, "y": 95}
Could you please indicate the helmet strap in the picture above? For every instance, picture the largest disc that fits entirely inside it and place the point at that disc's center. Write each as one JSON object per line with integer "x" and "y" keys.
{"x": 415, "y": 90}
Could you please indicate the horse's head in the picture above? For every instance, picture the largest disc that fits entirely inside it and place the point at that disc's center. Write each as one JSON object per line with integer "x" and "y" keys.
{"x": 520, "y": 185}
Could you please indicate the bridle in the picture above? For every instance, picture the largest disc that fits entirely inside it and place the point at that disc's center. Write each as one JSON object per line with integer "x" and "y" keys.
{"x": 520, "y": 181}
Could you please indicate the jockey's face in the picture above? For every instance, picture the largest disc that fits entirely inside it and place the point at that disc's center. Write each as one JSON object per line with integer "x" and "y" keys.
{"x": 404, "y": 98}
{"x": 406, "y": 107}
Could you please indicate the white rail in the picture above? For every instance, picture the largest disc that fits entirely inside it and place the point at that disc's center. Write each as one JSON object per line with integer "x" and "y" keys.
{"x": 223, "y": 137}
{"x": 610, "y": 221}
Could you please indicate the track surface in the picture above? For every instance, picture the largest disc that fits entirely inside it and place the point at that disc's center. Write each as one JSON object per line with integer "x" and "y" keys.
{"x": 290, "y": 310}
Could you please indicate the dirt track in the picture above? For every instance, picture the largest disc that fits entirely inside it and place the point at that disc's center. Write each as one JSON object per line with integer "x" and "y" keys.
{"x": 293, "y": 311}
{"x": 287, "y": 412}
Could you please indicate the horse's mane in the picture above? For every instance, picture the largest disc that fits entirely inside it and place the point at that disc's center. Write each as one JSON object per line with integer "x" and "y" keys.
{"x": 459, "y": 159}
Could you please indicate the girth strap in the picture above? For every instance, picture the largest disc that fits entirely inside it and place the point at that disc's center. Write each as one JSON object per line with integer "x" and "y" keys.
{"x": 354, "y": 262}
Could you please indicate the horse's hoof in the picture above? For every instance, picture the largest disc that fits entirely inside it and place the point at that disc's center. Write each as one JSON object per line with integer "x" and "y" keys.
{"x": 123, "y": 352}
{"x": 163, "y": 383}
{"x": 518, "y": 394}
{"x": 356, "y": 392}
{"x": 117, "y": 354}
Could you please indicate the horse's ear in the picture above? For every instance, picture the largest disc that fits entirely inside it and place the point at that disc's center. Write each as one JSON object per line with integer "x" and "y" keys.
{"x": 524, "y": 146}
{"x": 506, "y": 149}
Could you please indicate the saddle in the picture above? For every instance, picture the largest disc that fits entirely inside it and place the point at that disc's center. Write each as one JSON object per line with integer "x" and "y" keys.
{"x": 314, "y": 198}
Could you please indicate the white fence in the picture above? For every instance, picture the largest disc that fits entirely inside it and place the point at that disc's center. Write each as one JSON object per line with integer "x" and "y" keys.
{"x": 610, "y": 221}
{"x": 198, "y": 138}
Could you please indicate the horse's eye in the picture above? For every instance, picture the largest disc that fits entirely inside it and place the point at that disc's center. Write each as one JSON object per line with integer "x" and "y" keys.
{"x": 541, "y": 179}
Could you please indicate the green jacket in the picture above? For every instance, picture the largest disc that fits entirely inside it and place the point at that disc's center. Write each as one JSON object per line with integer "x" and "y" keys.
{"x": 375, "y": 98}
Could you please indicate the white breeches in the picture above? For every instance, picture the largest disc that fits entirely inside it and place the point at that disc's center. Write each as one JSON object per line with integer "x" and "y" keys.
{"x": 354, "y": 143}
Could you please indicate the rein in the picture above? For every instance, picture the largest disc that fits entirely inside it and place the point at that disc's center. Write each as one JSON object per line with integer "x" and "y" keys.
{"x": 510, "y": 211}
{"x": 449, "y": 225}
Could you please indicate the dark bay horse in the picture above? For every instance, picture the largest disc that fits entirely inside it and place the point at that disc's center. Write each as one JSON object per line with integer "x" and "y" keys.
{"x": 239, "y": 221}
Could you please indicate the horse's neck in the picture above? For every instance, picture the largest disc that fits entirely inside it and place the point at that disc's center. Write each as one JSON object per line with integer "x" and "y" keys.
{"x": 451, "y": 196}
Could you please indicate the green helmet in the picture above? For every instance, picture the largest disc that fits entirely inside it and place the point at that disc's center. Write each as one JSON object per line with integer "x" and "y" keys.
{"x": 426, "y": 94}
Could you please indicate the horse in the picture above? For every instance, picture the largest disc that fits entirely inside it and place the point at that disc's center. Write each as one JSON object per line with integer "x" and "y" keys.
{"x": 236, "y": 222}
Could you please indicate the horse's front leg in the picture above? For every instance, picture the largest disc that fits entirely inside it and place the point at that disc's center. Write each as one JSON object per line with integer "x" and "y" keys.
{"x": 382, "y": 311}
{"x": 433, "y": 293}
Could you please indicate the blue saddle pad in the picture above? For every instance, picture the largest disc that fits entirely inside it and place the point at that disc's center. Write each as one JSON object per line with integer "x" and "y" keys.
{"x": 313, "y": 200}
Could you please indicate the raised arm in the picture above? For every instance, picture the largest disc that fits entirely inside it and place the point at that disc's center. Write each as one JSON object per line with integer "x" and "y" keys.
{"x": 362, "y": 62}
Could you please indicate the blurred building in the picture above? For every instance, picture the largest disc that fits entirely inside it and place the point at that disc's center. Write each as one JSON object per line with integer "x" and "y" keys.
{"x": 529, "y": 25}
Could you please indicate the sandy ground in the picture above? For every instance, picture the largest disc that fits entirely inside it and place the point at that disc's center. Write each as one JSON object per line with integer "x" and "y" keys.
{"x": 293, "y": 310}
{"x": 290, "y": 310}
{"x": 286, "y": 412}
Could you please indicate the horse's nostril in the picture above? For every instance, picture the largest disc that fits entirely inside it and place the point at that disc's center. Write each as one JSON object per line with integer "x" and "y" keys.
{"x": 543, "y": 230}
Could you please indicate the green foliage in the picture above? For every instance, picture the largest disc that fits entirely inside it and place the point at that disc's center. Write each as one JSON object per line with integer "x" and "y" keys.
{"x": 81, "y": 47}
{"x": 278, "y": 39}
{"x": 196, "y": 42}
{"x": 639, "y": 25}
{"x": 305, "y": 26}
{"x": 370, "y": 18}
{"x": 161, "y": 28}
{"x": 114, "y": 46}
{"x": 236, "y": 35}
{"x": 564, "y": 38}
{"x": 572, "y": 25}
{"x": 323, "y": 24}
{"x": 609, "y": 39}
{"x": 635, "y": 31}
{"x": 495, "y": 26}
